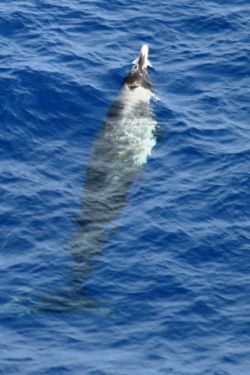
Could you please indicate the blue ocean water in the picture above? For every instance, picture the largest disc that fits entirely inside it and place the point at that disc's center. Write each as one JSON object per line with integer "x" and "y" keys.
{"x": 169, "y": 291}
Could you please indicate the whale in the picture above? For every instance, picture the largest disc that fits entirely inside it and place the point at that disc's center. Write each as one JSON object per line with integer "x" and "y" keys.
{"x": 119, "y": 152}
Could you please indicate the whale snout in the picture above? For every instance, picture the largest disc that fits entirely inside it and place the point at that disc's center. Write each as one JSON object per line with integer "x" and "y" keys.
{"x": 143, "y": 59}
{"x": 142, "y": 62}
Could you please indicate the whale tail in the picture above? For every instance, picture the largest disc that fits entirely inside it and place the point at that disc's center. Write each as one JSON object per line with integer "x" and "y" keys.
{"x": 142, "y": 62}
{"x": 85, "y": 247}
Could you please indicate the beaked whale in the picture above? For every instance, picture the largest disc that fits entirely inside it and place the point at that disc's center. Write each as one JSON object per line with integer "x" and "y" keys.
{"x": 121, "y": 148}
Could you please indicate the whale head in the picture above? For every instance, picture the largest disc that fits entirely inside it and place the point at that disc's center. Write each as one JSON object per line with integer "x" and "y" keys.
{"x": 138, "y": 76}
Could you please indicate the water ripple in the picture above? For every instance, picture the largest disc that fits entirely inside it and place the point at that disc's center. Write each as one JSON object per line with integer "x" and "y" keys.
{"x": 168, "y": 293}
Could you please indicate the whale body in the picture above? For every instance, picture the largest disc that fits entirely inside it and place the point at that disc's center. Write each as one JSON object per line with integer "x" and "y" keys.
{"x": 119, "y": 152}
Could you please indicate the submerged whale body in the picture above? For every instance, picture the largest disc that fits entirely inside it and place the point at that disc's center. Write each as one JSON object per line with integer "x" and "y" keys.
{"x": 122, "y": 147}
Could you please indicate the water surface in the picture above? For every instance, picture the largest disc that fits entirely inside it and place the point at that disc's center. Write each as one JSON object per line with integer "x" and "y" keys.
{"x": 171, "y": 284}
